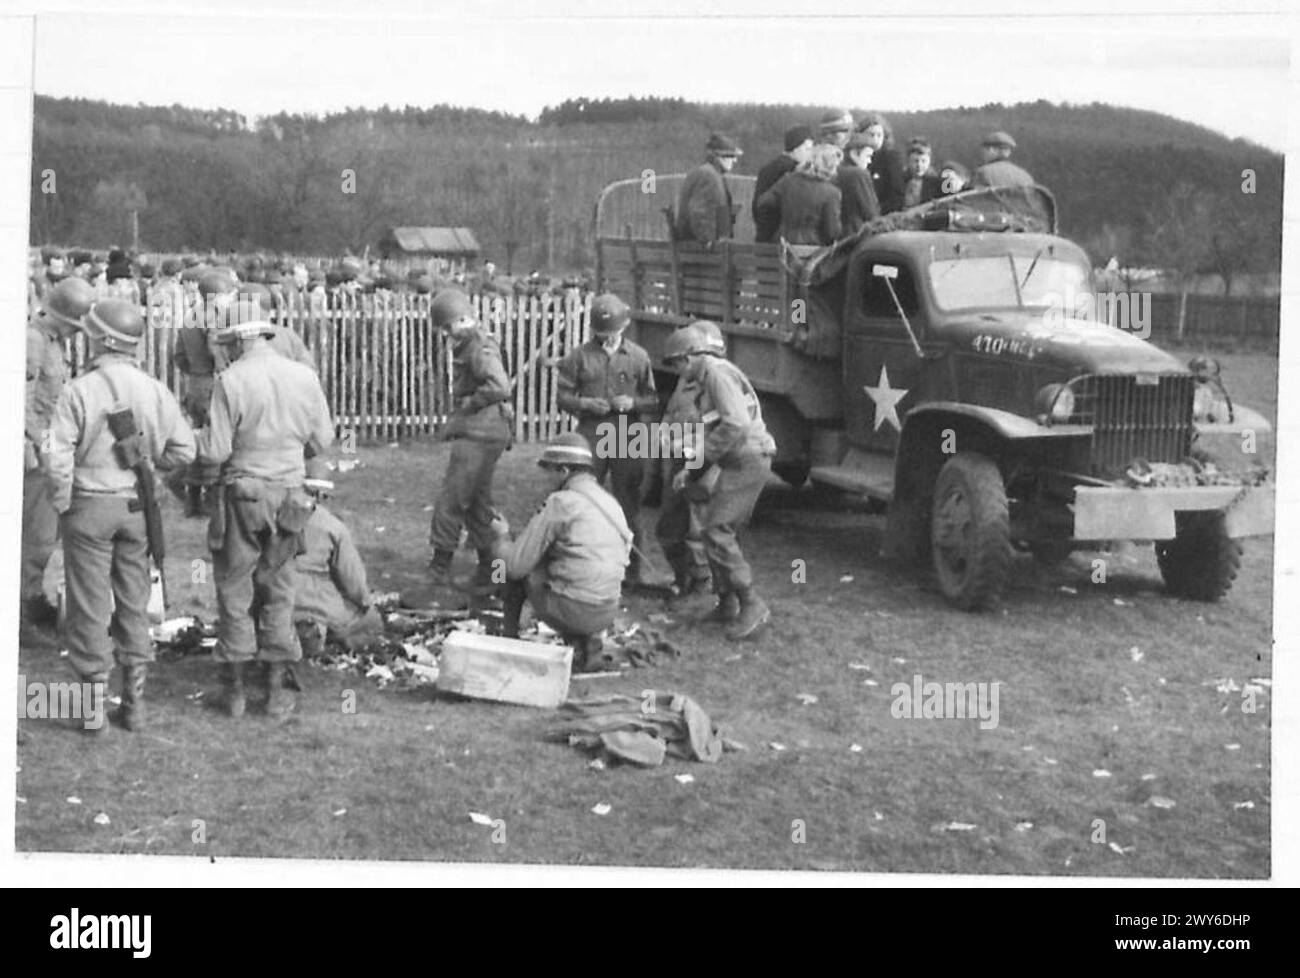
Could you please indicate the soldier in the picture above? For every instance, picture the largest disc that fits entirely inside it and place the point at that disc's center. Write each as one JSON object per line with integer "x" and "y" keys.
{"x": 265, "y": 411}
{"x": 704, "y": 209}
{"x": 738, "y": 445}
{"x": 480, "y": 429}
{"x": 105, "y": 547}
{"x": 680, "y": 529}
{"x": 997, "y": 169}
{"x": 607, "y": 384}
{"x": 331, "y": 596}
{"x": 194, "y": 356}
{"x": 570, "y": 558}
{"x": 60, "y": 316}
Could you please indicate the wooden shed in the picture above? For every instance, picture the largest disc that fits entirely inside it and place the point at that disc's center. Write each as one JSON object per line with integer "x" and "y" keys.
{"x": 429, "y": 242}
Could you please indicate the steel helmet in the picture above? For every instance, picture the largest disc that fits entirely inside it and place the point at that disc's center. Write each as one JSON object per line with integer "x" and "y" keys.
{"x": 713, "y": 334}
{"x": 115, "y": 324}
{"x": 69, "y": 301}
{"x": 217, "y": 281}
{"x": 686, "y": 341}
{"x": 609, "y": 313}
{"x": 448, "y": 306}
{"x": 570, "y": 449}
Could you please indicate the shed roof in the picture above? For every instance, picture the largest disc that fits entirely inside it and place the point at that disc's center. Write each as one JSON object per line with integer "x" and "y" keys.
{"x": 433, "y": 240}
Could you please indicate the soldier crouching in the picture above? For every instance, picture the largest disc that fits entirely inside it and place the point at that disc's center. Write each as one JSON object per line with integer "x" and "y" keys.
{"x": 105, "y": 545}
{"x": 568, "y": 562}
{"x": 265, "y": 410}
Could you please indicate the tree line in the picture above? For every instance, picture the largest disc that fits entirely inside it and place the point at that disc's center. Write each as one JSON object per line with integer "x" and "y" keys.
{"x": 1144, "y": 188}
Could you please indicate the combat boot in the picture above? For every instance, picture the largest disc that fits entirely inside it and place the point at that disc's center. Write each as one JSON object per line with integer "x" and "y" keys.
{"x": 727, "y": 610}
{"x": 754, "y": 613}
{"x": 280, "y": 700}
{"x": 440, "y": 568}
{"x": 132, "y": 714}
{"x": 105, "y": 727}
{"x": 232, "y": 689}
{"x": 686, "y": 591}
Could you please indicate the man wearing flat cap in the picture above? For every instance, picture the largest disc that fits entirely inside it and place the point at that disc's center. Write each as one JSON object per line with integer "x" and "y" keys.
{"x": 704, "y": 209}
{"x": 798, "y": 143}
{"x": 835, "y": 128}
{"x": 997, "y": 169}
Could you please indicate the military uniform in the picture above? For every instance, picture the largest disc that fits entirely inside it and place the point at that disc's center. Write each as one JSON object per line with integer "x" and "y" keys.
{"x": 479, "y": 429}
{"x": 738, "y": 443}
{"x": 47, "y": 372}
{"x": 590, "y": 372}
{"x": 265, "y": 410}
{"x": 680, "y": 528}
{"x": 330, "y": 588}
{"x": 105, "y": 552}
{"x": 569, "y": 560}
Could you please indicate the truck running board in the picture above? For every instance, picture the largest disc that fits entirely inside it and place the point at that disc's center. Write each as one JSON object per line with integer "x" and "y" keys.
{"x": 867, "y": 473}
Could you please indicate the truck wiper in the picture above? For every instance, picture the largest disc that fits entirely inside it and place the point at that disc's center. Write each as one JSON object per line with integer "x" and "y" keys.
{"x": 1015, "y": 280}
{"x": 1032, "y": 265}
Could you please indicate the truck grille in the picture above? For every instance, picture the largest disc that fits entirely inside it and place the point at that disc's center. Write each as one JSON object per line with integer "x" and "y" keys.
{"x": 1135, "y": 416}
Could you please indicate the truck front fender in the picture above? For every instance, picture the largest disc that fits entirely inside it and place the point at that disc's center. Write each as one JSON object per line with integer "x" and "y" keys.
{"x": 1005, "y": 424}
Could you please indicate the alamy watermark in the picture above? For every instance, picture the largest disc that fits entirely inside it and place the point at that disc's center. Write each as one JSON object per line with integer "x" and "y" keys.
{"x": 62, "y": 701}
{"x": 1129, "y": 311}
{"x": 653, "y": 440}
{"x": 945, "y": 701}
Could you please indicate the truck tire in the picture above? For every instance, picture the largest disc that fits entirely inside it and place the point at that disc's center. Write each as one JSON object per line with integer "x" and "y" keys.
{"x": 970, "y": 532}
{"x": 1202, "y": 561}
{"x": 795, "y": 474}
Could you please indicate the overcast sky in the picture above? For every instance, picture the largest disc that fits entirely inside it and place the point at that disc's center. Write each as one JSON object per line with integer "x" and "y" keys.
{"x": 1230, "y": 75}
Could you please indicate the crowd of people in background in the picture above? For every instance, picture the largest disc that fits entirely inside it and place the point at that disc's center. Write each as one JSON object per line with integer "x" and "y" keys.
{"x": 830, "y": 180}
{"x": 120, "y": 274}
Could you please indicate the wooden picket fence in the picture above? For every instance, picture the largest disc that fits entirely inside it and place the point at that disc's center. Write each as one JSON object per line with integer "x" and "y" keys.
{"x": 387, "y": 372}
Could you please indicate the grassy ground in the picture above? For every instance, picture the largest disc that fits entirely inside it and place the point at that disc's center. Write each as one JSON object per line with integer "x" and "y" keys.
{"x": 1115, "y": 701}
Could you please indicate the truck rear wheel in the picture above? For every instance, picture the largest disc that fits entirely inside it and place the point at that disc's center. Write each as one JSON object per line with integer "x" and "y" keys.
{"x": 1202, "y": 561}
{"x": 970, "y": 531}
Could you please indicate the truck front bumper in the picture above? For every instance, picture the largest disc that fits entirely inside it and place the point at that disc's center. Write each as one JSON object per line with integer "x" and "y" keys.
{"x": 1122, "y": 513}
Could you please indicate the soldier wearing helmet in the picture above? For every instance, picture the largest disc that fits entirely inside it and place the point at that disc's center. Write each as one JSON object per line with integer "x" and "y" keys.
{"x": 479, "y": 427}
{"x": 569, "y": 560}
{"x": 105, "y": 550}
{"x": 679, "y": 529}
{"x": 58, "y": 318}
{"x": 267, "y": 413}
{"x": 734, "y": 461}
{"x": 607, "y": 383}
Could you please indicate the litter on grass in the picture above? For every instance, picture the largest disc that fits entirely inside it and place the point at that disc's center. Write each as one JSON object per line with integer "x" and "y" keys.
{"x": 640, "y": 730}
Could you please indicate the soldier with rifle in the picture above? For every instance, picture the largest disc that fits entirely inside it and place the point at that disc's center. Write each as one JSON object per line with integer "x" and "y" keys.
{"x": 112, "y": 425}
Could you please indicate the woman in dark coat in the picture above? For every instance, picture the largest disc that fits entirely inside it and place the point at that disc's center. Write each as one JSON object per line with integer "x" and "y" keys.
{"x": 886, "y": 162}
{"x": 807, "y": 200}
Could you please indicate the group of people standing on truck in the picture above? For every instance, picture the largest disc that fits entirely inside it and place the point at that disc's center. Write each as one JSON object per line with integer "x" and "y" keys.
{"x": 830, "y": 180}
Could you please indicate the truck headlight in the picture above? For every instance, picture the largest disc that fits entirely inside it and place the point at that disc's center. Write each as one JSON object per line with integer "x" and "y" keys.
{"x": 1210, "y": 404}
{"x": 1055, "y": 402}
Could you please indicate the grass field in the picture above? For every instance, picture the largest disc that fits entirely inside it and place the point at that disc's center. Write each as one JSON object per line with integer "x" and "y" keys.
{"x": 1122, "y": 747}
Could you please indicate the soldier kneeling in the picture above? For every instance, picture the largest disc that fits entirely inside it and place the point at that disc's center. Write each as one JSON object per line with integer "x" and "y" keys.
{"x": 570, "y": 559}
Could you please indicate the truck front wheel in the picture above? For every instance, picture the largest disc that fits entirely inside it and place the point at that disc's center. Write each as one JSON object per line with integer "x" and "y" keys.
{"x": 970, "y": 531}
{"x": 1202, "y": 561}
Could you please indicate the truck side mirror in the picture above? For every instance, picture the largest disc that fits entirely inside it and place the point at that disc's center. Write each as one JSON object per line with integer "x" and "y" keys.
{"x": 884, "y": 271}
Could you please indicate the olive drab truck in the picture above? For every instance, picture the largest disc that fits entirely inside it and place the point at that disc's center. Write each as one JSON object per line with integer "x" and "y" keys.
{"x": 951, "y": 361}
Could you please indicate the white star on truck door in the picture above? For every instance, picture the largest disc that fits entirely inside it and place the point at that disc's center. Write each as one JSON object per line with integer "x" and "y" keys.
{"x": 886, "y": 399}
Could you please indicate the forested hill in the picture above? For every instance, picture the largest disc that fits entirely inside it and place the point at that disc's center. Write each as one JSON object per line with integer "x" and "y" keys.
{"x": 213, "y": 179}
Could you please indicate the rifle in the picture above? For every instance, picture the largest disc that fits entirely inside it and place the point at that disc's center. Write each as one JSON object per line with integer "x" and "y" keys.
{"x": 126, "y": 446}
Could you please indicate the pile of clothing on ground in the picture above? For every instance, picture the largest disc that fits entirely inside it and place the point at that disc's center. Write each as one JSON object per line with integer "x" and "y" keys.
{"x": 642, "y": 731}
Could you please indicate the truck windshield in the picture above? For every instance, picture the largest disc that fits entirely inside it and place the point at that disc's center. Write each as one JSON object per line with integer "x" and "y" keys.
{"x": 986, "y": 282}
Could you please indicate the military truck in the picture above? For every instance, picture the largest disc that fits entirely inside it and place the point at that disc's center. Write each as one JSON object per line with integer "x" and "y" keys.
{"x": 941, "y": 363}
